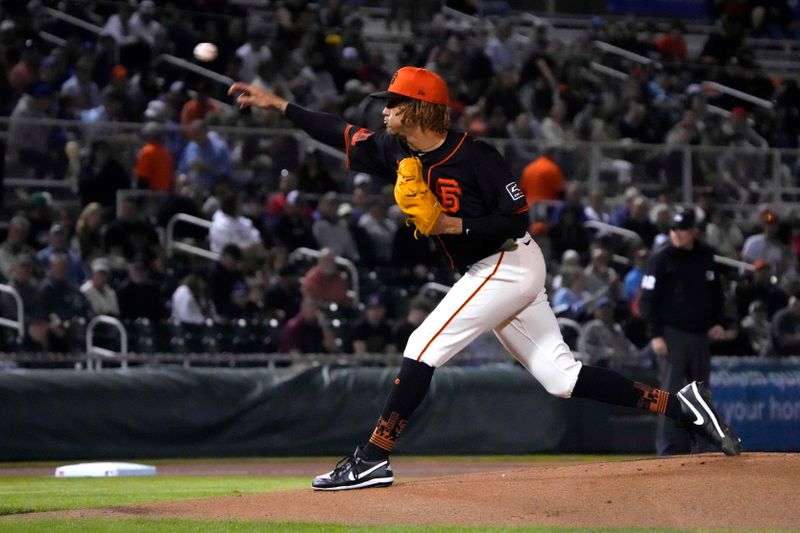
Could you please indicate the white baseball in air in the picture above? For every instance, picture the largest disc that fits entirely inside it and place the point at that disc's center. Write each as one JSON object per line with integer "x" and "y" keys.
{"x": 206, "y": 52}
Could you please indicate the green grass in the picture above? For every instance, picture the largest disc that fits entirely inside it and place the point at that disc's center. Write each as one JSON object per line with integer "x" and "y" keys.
{"x": 31, "y": 494}
{"x": 197, "y": 526}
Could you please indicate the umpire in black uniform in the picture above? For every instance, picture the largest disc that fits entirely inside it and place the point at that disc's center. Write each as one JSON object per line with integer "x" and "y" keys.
{"x": 682, "y": 301}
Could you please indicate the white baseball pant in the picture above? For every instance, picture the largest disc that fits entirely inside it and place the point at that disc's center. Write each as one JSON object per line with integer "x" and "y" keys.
{"x": 503, "y": 292}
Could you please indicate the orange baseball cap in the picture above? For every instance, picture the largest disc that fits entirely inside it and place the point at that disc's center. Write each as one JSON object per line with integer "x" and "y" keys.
{"x": 417, "y": 83}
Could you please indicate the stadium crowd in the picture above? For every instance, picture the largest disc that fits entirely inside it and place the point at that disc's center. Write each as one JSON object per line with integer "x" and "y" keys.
{"x": 265, "y": 202}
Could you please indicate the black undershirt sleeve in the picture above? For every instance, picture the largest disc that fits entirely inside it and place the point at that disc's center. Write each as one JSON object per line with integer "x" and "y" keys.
{"x": 324, "y": 127}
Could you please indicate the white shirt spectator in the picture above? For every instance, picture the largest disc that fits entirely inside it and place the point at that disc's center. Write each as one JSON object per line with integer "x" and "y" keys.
{"x": 185, "y": 308}
{"x": 103, "y": 300}
{"x": 121, "y": 32}
{"x": 226, "y": 229}
{"x": 336, "y": 236}
{"x": 145, "y": 27}
{"x": 251, "y": 58}
{"x": 85, "y": 94}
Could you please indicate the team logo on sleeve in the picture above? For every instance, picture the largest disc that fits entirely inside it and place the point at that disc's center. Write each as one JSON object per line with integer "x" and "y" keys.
{"x": 448, "y": 191}
{"x": 361, "y": 135}
{"x": 514, "y": 191}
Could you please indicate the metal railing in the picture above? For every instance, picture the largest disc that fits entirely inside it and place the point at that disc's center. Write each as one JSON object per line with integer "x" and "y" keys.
{"x": 435, "y": 287}
{"x": 19, "y": 323}
{"x": 741, "y": 95}
{"x": 172, "y": 245}
{"x": 92, "y": 350}
{"x": 304, "y": 252}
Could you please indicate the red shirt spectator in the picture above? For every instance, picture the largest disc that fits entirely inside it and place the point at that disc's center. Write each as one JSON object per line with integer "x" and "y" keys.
{"x": 324, "y": 282}
{"x": 542, "y": 180}
{"x": 155, "y": 165}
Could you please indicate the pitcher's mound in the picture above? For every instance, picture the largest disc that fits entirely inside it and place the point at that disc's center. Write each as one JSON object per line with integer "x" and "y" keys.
{"x": 753, "y": 491}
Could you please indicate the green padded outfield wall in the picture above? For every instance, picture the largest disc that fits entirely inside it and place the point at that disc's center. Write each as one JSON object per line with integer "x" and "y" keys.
{"x": 194, "y": 412}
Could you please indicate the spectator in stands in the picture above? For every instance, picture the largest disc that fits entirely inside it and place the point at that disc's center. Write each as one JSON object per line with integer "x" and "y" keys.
{"x": 119, "y": 27}
{"x": 102, "y": 176}
{"x": 146, "y": 28}
{"x": 101, "y": 297}
{"x": 367, "y": 249}
{"x": 672, "y": 45}
{"x": 131, "y": 234}
{"x": 293, "y": 227}
{"x": 29, "y": 142}
{"x": 740, "y": 166}
{"x": 313, "y": 177}
{"x": 331, "y": 231}
{"x": 229, "y": 227}
{"x": 567, "y": 232}
{"x": 88, "y": 239}
{"x": 601, "y": 278}
{"x": 634, "y": 124}
{"x": 206, "y": 159}
{"x": 59, "y": 297}
{"x": 621, "y": 213}
{"x": 556, "y": 130}
{"x": 190, "y": 302}
{"x": 138, "y": 296}
{"x": 254, "y": 52}
{"x": 15, "y": 245}
{"x": 419, "y": 307}
{"x": 372, "y": 333}
{"x": 786, "y": 328}
{"x": 569, "y": 259}
{"x": 722, "y": 234}
{"x": 604, "y": 342}
{"x": 226, "y": 277}
{"x": 22, "y": 279}
{"x": 115, "y": 107}
{"x": 25, "y": 73}
{"x": 760, "y": 285}
{"x": 633, "y": 279}
{"x": 323, "y": 282}
{"x": 639, "y": 221}
{"x": 542, "y": 179}
{"x": 596, "y": 208}
{"x": 283, "y": 294}
{"x": 198, "y": 106}
{"x": 80, "y": 87}
{"x": 571, "y": 299}
{"x": 380, "y": 229}
{"x": 58, "y": 245}
{"x": 499, "y": 48}
{"x": 45, "y": 336}
{"x": 155, "y": 168}
{"x": 768, "y": 246}
{"x": 758, "y": 329}
{"x": 307, "y": 332}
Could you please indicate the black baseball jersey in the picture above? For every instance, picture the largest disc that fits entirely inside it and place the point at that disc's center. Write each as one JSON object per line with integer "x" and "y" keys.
{"x": 469, "y": 177}
{"x": 681, "y": 288}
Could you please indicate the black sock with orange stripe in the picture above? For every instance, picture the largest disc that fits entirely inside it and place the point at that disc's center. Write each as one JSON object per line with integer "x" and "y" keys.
{"x": 608, "y": 386}
{"x": 407, "y": 393}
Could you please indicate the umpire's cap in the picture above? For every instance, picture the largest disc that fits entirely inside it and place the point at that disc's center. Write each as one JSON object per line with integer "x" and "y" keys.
{"x": 683, "y": 220}
{"x": 417, "y": 83}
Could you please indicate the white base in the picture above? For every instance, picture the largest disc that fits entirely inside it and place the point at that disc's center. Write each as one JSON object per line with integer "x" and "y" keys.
{"x": 105, "y": 470}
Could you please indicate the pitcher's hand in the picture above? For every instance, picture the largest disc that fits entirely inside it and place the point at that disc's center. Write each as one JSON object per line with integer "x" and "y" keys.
{"x": 250, "y": 95}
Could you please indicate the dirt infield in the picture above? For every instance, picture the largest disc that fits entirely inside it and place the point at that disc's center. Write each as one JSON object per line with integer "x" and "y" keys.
{"x": 753, "y": 491}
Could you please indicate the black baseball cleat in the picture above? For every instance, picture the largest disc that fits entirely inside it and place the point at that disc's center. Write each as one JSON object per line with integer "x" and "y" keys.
{"x": 700, "y": 416}
{"x": 355, "y": 472}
